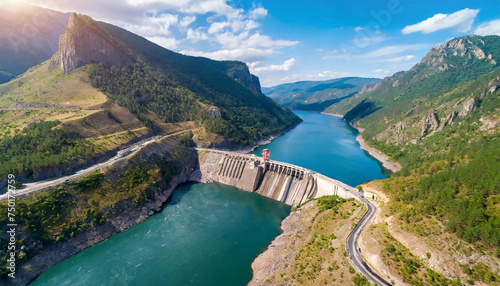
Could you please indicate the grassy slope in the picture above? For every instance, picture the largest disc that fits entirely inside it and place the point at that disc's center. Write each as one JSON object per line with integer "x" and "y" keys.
{"x": 311, "y": 250}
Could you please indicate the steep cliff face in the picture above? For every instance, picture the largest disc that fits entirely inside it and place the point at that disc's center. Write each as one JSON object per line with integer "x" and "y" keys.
{"x": 85, "y": 42}
{"x": 240, "y": 72}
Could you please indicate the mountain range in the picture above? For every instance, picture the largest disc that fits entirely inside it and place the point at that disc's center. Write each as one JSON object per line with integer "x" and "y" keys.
{"x": 317, "y": 95}
{"x": 104, "y": 87}
{"x": 440, "y": 120}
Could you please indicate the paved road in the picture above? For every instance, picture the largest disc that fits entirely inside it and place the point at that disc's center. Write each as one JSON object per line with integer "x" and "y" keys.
{"x": 121, "y": 155}
{"x": 352, "y": 240}
{"x": 352, "y": 245}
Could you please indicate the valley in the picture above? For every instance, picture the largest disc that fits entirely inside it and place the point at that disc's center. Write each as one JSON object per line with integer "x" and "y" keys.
{"x": 126, "y": 140}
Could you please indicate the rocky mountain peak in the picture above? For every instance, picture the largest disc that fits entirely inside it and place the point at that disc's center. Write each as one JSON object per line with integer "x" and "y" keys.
{"x": 466, "y": 48}
{"x": 85, "y": 42}
{"x": 240, "y": 72}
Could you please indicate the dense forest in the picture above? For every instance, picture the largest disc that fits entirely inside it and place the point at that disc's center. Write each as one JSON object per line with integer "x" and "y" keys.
{"x": 39, "y": 147}
{"x": 246, "y": 117}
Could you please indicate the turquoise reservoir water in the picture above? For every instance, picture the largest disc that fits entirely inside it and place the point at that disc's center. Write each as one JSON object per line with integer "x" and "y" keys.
{"x": 209, "y": 234}
{"x": 327, "y": 145}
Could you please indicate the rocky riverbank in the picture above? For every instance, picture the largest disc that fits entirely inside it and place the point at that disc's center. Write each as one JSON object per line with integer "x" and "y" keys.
{"x": 382, "y": 158}
{"x": 120, "y": 217}
{"x": 311, "y": 248}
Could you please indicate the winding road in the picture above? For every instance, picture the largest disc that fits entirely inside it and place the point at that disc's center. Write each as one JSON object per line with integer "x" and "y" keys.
{"x": 352, "y": 240}
{"x": 121, "y": 155}
{"x": 353, "y": 249}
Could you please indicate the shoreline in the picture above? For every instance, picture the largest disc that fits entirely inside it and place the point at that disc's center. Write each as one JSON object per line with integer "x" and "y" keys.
{"x": 332, "y": 114}
{"x": 375, "y": 153}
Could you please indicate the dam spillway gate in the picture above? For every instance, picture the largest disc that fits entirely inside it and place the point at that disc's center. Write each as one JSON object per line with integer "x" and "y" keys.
{"x": 280, "y": 181}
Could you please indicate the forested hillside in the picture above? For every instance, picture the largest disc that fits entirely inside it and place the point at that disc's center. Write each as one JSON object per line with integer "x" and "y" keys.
{"x": 106, "y": 87}
{"x": 440, "y": 120}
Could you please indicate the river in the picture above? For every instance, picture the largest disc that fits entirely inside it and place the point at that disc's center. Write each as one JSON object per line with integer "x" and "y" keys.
{"x": 327, "y": 145}
{"x": 209, "y": 234}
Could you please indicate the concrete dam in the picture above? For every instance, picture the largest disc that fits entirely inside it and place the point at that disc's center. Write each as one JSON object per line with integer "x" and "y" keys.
{"x": 280, "y": 181}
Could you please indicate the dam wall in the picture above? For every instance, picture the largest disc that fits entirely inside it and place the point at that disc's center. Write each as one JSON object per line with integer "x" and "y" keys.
{"x": 290, "y": 184}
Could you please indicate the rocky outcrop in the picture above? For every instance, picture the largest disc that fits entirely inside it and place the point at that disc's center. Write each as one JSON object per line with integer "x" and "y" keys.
{"x": 448, "y": 120}
{"x": 469, "y": 106}
{"x": 495, "y": 85}
{"x": 85, "y": 42}
{"x": 213, "y": 111}
{"x": 429, "y": 123}
{"x": 488, "y": 124}
{"x": 240, "y": 72}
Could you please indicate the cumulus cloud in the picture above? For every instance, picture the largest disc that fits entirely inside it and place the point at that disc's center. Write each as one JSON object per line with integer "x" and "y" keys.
{"x": 488, "y": 28}
{"x": 461, "y": 20}
{"x": 169, "y": 43}
{"x": 242, "y": 54}
{"x": 186, "y": 21}
{"x": 157, "y": 25}
{"x": 285, "y": 66}
{"x": 258, "y": 12}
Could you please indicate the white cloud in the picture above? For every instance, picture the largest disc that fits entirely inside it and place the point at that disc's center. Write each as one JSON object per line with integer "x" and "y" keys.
{"x": 488, "y": 28}
{"x": 216, "y": 27}
{"x": 362, "y": 42}
{"x": 283, "y": 67}
{"x": 241, "y": 54}
{"x": 381, "y": 71}
{"x": 245, "y": 39}
{"x": 186, "y": 21}
{"x": 258, "y": 12}
{"x": 461, "y": 20}
{"x": 168, "y": 43}
{"x": 219, "y": 7}
{"x": 157, "y": 25}
{"x": 388, "y": 51}
{"x": 357, "y": 29}
{"x": 393, "y": 50}
{"x": 196, "y": 35}
{"x": 398, "y": 59}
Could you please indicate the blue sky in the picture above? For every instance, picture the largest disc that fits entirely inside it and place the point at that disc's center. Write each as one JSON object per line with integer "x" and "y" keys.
{"x": 286, "y": 41}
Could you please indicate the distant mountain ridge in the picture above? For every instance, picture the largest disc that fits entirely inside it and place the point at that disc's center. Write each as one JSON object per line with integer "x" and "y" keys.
{"x": 317, "y": 95}
{"x": 29, "y": 36}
